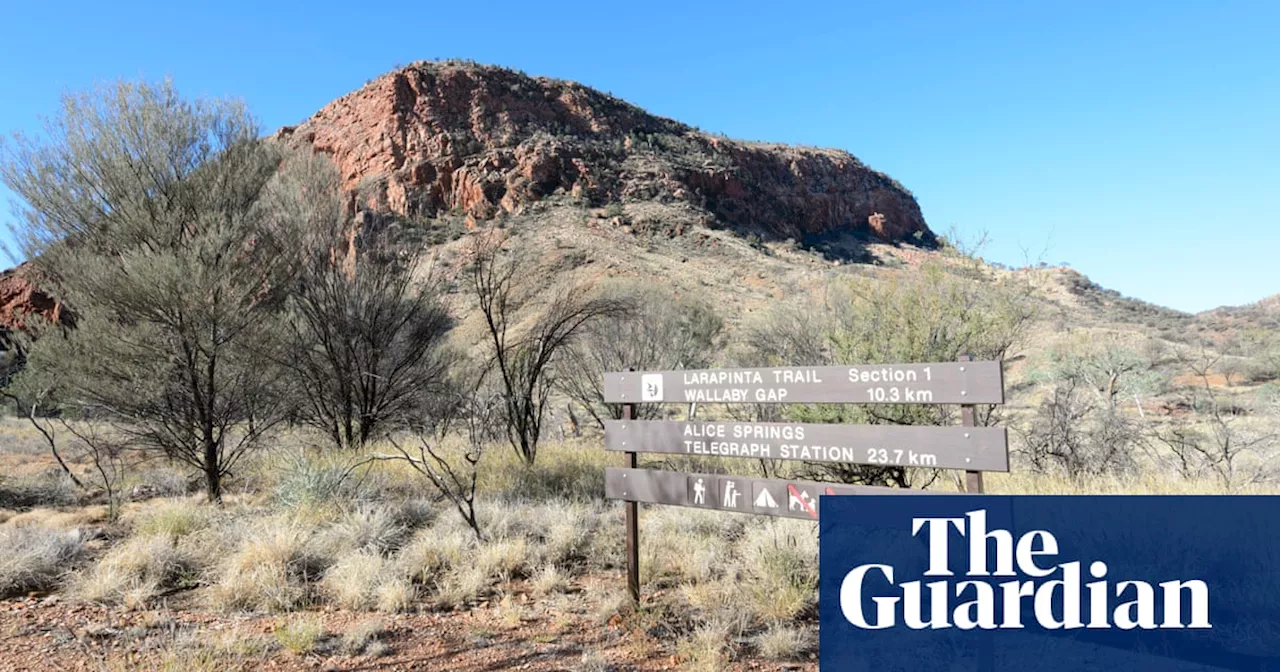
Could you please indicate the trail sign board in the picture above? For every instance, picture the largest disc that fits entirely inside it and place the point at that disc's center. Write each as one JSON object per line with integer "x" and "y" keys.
{"x": 972, "y": 448}
{"x": 969, "y": 447}
{"x": 764, "y": 496}
{"x": 936, "y": 383}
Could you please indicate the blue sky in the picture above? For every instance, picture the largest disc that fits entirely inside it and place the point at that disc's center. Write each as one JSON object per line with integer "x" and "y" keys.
{"x": 1137, "y": 141}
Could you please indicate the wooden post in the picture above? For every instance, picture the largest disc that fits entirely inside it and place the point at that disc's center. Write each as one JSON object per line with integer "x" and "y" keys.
{"x": 633, "y": 523}
{"x": 986, "y": 654}
{"x": 972, "y": 479}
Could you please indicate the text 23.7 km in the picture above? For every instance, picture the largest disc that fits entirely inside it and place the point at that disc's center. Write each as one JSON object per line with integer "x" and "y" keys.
{"x": 935, "y": 383}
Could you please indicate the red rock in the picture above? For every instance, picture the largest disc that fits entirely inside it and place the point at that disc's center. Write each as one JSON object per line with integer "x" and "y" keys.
{"x": 438, "y": 137}
{"x": 20, "y": 300}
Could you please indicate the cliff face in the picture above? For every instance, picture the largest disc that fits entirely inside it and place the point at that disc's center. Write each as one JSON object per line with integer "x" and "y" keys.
{"x": 21, "y": 300}
{"x": 437, "y": 137}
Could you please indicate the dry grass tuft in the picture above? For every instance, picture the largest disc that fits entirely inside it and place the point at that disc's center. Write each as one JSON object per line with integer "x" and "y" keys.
{"x": 395, "y": 594}
{"x": 173, "y": 518}
{"x": 706, "y": 649}
{"x": 366, "y": 528}
{"x": 784, "y": 642}
{"x": 509, "y": 613}
{"x": 613, "y": 604}
{"x": 779, "y": 564}
{"x": 592, "y": 661}
{"x": 60, "y": 520}
{"x": 433, "y": 551}
{"x": 298, "y": 635}
{"x": 549, "y": 580}
{"x": 504, "y": 560}
{"x": 362, "y": 636}
{"x": 133, "y": 572}
{"x": 269, "y": 571}
{"x": 350, "y": 583}
{"x": 34, "y": 558}
{"x": 463, "y": 585}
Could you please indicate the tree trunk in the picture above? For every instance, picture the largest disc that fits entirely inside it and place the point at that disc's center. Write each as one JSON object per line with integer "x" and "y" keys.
{"x": 212, "y": 474}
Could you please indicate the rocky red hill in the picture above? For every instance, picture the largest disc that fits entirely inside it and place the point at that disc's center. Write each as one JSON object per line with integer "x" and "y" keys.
{"x": 21, "y": 301}
{"x": 440, "y": 137}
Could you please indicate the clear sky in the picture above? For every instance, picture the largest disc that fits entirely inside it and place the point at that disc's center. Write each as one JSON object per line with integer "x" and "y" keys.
{"x": 1137, "y": 141}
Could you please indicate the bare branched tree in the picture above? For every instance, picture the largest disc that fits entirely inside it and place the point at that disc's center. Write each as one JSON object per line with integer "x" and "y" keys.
{"x": 106, "y": 453}
{"x": 663, "y": 333}
{"x": 522, "y": 358}
{"x": 35, "y": 396}
{"x": 1076, "y": 434}
{"x": 365, "y": 334}
{"x": 454, "y": 475}
{"x": 1219, "y": 440}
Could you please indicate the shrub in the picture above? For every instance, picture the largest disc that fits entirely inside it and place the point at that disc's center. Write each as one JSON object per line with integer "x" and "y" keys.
{"x": 308, "y": 478}
{"x": 926, "y": 315}
{"x": 49, "y": 488}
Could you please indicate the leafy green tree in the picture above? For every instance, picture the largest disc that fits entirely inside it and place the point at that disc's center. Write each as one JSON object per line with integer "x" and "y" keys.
{"x": 151, "y": 215}
{"x": 931, "y": 314}
{"x": 1106, "y": 367}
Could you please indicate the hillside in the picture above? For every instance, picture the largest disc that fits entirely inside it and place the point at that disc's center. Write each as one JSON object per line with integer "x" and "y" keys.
{"x": 599, "y": 188}
{"x": 438, "y": 137}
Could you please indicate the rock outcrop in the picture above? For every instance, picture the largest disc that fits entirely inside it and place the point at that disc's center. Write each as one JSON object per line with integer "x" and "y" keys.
{"x": 479, "y": 140}
{"x": 21, "y": 300}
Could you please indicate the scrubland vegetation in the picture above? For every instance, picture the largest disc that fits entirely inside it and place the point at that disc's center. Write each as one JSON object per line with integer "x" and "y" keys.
{"x": 266, "y": 406}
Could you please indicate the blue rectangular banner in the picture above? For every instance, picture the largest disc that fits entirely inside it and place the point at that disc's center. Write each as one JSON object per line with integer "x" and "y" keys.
{"x": 1051, "y": 583}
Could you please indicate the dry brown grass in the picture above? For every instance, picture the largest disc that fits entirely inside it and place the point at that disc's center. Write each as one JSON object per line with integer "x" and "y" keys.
{"x": 34, "y": 558}
{"x": 728, "y": 584}
{"x": 785, "y": 642}
{"x": 134, "y": 571}
{"x": 269, "y": 570}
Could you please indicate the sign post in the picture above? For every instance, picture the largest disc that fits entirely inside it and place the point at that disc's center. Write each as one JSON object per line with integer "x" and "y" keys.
{"x": 633, "y": 524}
{"x": 968, "y": 415}
{"x": 968, "y": 447}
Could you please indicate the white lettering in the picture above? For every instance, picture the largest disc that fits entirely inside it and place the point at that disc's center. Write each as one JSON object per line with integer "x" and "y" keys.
{"x": 851, "y": 599}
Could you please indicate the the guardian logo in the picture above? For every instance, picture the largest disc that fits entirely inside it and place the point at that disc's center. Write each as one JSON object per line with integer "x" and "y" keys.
{"x": 1041, "y": 588}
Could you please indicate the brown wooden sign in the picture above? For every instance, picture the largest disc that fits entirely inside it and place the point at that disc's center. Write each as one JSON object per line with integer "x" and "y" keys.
{"x": 970, "y": 448}
{"x": 938, "y": 383}
{"x": 742, "y": 494}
